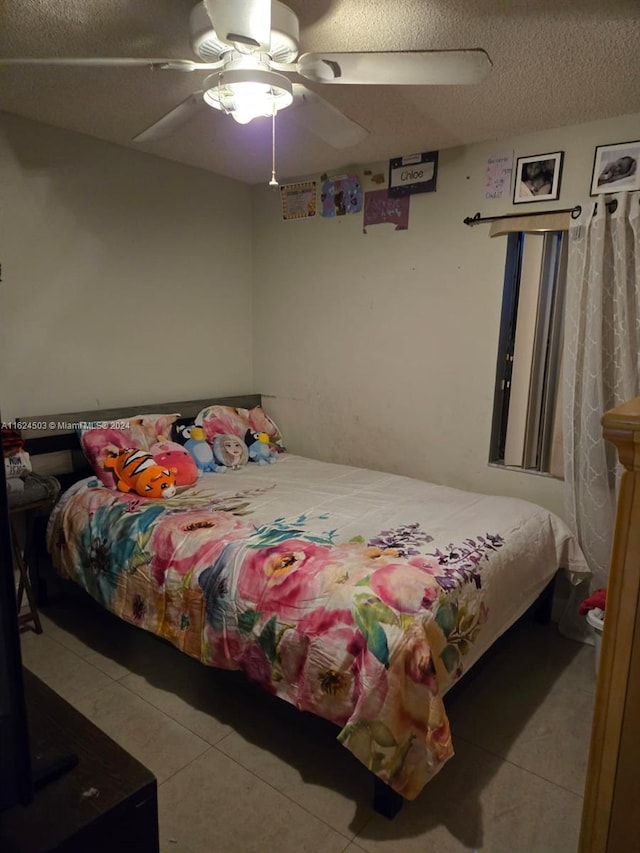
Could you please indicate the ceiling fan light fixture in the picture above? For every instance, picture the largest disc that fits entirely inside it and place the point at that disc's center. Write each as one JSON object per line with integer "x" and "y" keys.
{"x": 246, "y": 94}
{"x": 209, "y": 46}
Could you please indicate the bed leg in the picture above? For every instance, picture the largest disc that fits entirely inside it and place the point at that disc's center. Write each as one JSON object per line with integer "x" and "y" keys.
{"x": 543, "y": 606}
{"x": 386, "y": 801}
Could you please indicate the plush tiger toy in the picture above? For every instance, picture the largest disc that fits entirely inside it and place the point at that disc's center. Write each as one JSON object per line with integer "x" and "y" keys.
{"x": 138, "y": 471}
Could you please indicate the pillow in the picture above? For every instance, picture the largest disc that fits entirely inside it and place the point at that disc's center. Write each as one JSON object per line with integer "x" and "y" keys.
{"x": 227, "y": 420}
{"x": 259, "y": 421}
{"x": 103, "y": 438}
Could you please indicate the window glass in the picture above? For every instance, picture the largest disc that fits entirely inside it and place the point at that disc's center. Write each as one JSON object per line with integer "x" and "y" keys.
{"x": 526, "y": 430}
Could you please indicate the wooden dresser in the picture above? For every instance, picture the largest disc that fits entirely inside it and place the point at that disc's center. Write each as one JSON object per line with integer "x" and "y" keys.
{"x": 611, "y": 815}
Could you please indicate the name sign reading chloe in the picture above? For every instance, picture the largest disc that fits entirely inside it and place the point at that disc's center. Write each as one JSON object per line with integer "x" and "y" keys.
{"x": 415, "y": 173}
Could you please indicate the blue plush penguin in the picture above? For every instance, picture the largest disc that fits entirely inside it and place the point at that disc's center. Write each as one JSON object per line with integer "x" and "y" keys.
{"x": 198, "y": 447}
{"x": 260, "y": 450}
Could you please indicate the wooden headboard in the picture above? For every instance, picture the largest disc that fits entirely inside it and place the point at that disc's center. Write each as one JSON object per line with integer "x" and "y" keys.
{"x": 54, "y": 447}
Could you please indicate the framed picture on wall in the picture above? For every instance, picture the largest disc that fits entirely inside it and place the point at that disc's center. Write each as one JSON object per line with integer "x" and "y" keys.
{"x": 615, "y": 168}
{"x": 538, "y": 178}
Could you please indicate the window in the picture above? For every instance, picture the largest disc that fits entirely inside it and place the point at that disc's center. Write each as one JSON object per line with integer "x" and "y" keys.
{"x": 527, "y": 430}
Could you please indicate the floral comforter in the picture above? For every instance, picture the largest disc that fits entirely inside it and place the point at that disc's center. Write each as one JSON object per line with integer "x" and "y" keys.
{"x": 356, "y": 595}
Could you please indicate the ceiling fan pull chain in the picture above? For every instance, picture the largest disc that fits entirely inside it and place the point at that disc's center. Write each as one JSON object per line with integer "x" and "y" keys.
{"x": 273, "y": 182}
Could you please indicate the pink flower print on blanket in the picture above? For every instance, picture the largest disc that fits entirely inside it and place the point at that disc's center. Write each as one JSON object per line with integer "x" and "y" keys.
{"x": 286, "y": 579}
{"x": 295, "y": 576}
{"x": 228, "y": 648}
{"x": 340, "y": 675}
{"x": 198, "y": 536}
{"x": 246, "y": 587}
{"x": 406, "y": 588}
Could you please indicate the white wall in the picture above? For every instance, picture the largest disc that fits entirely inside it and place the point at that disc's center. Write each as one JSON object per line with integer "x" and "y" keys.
{"x": 379, "y": 349}
{"x": 125, "y": 278}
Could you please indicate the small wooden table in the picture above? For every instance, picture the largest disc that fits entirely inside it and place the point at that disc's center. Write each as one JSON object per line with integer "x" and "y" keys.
{"x": 29, "y": 511}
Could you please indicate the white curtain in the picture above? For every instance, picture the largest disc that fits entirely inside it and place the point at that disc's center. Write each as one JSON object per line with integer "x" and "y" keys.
{"x": 601, "y": 365}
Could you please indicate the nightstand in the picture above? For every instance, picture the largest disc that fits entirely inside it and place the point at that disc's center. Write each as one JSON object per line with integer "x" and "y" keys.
{"x": 40, "y": 494}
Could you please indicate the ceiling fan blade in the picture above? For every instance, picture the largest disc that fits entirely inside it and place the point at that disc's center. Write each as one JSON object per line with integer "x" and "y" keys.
{"x": 397, "y": 68}
{"x": 165, "y": 126}
{"x": 324, "y": 120}
{"x": 116, "y": 62}
{"x": 246, "y": 22}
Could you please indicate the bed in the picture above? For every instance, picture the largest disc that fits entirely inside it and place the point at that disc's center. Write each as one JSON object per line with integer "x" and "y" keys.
{"x": 356, "y": 595}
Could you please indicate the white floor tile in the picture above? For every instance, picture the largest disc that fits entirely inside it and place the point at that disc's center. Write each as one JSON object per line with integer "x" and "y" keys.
{"x": 277, "y": 780}
{"x": 154, "y": 739}
{"x": 61, "y": 669}
{"x": 307, "y": 763}
{"x": 479, "y": 802}
{"x": 216, "y": 805}
{"x": 521, "y": 705}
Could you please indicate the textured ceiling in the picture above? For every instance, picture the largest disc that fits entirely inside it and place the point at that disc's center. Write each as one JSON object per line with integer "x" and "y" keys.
{"x": 555, "y": 62}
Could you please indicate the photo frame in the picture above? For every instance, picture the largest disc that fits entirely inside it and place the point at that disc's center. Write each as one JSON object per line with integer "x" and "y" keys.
{"x": 538, "y": 178}
{"x": 616, "y": 168}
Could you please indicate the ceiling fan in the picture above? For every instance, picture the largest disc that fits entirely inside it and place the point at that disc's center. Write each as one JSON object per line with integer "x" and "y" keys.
{"x": 251, "y": 49}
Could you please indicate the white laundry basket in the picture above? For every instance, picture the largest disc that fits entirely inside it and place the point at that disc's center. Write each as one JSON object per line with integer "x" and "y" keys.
{"x": 595, "y": 618}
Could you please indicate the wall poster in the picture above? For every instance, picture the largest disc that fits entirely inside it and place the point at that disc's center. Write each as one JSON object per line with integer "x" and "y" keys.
{"x": 415, "y": 173}
{"x": 298, "y": 200}
{"x": 497, "y": 175}
{"x": 340, "y": 195}
{"x": 379, "y": 207}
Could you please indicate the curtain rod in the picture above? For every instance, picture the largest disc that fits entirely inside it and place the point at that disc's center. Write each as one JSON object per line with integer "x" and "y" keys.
{"x": 574, "y": 211}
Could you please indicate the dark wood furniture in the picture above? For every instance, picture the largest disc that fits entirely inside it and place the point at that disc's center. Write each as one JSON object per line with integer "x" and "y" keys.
{"x": 24, "y": 559}
{"x": 611, "y": 814}
{"x": 106, "y": 802}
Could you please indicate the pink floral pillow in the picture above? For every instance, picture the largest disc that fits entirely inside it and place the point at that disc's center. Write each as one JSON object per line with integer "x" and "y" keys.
{"x": 106, "y": 437}
{"x": 227, "y": 420}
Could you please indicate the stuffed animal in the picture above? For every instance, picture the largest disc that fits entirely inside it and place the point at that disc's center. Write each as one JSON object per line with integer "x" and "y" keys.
{"x": 201, "y": 451}
{"x": 229, "y": 450}
{"x": 170, "y": 454}
{"x": 137, "y": 471}
{"x": 260, "y": 450}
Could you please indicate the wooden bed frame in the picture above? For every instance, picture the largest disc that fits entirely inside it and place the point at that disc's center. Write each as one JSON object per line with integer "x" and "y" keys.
{"x": 54, "y": 447}
{"x": 611, "y": 814}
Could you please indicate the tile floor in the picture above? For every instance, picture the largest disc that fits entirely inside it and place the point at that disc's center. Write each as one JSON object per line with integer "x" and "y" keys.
{"x": 240, "y": 771}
